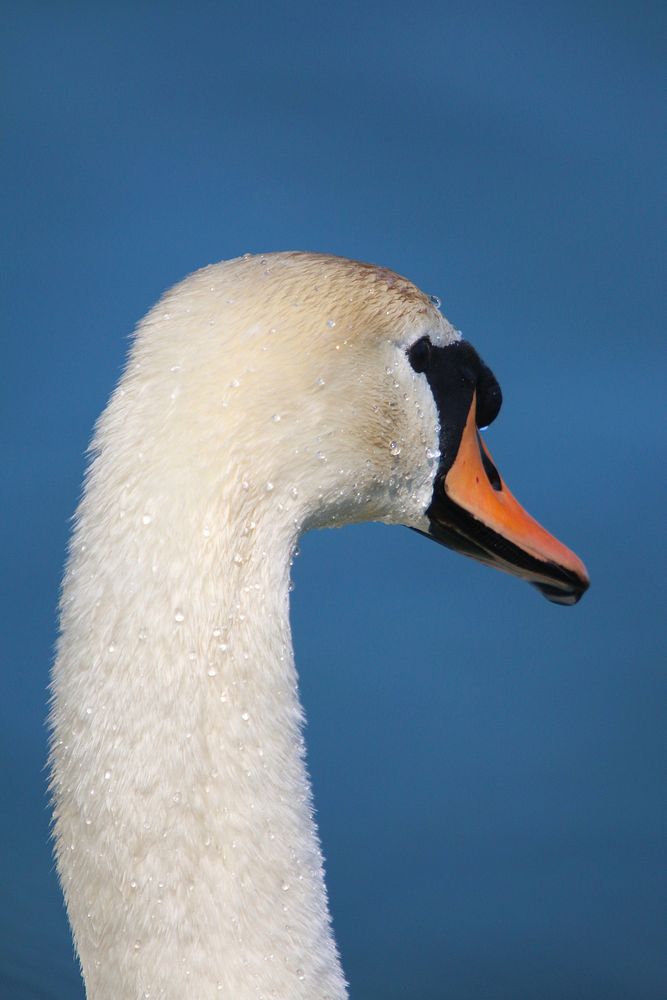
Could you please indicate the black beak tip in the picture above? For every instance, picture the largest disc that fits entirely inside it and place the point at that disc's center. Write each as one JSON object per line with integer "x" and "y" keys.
{"x": 564, "y": 593}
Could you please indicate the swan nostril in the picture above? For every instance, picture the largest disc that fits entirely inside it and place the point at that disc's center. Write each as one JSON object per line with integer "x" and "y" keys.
{"x": 492, "y": 473}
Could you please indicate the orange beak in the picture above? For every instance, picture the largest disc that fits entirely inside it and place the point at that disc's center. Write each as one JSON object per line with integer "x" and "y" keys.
{"x": 473, "y": 511}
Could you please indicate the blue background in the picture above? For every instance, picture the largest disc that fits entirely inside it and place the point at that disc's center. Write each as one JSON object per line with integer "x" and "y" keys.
{"x": 487, "y": 767}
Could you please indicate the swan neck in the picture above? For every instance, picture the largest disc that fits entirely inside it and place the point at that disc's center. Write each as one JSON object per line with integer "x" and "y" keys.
{"x": 185, "y": 836}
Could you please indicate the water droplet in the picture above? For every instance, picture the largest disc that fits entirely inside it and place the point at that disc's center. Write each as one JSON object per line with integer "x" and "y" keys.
{"x": 276, "y": 418}
{"x": 133, "y": 884}
{"x": 211, "y": 671}
{"x": 269, "y": 487}
{"x": 146, "y": 519}
{"x": 107, "y": 775}
{"x": 245, "y": 485}
{"x": 176, "y": 797}
{"x": 389, "y": 371}
{"x": 394, "y": 448}
{"x": 234, "y": 384}
{"x": 143, "y": 634}
{"x": 238, "y": 559}
{"x": 175, "y": 368}
{"x": 435, "y": 300}
{"x": 331, "y": 323}
{"x": 137, "y": 945}
{"x": 320, "y": 381}
{"x": 284, "y": 886}
{"x": 300, "y": 974}
{"x": 112, "y": 647}
{"x": 320, "y": 456}
{"x": 179, "y": 616}
{"x": 245, "y": 716}
{"x": 294, "y": 492}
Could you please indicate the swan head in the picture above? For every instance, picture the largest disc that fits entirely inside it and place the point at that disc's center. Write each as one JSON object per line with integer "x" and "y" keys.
{"x": 332, "y": 392}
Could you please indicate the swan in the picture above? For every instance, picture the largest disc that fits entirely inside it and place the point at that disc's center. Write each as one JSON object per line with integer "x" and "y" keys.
{"x": 262, "y": 397}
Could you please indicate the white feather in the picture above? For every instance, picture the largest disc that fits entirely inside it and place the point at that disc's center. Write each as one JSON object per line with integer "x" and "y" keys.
{"x": 262, "y": 396}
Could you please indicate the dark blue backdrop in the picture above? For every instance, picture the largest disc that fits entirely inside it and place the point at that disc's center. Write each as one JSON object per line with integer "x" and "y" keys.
{"x": 486, "y": 766}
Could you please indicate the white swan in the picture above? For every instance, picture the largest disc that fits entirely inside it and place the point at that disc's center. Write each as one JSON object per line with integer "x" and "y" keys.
{"x": 262, "y": 397}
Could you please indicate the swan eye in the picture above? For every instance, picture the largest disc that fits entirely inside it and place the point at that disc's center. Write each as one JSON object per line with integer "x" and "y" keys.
{"x": 419, "y": 355}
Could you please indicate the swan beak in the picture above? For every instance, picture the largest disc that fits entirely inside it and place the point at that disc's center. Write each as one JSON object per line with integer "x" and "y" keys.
{"x": 474, "y": 512}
